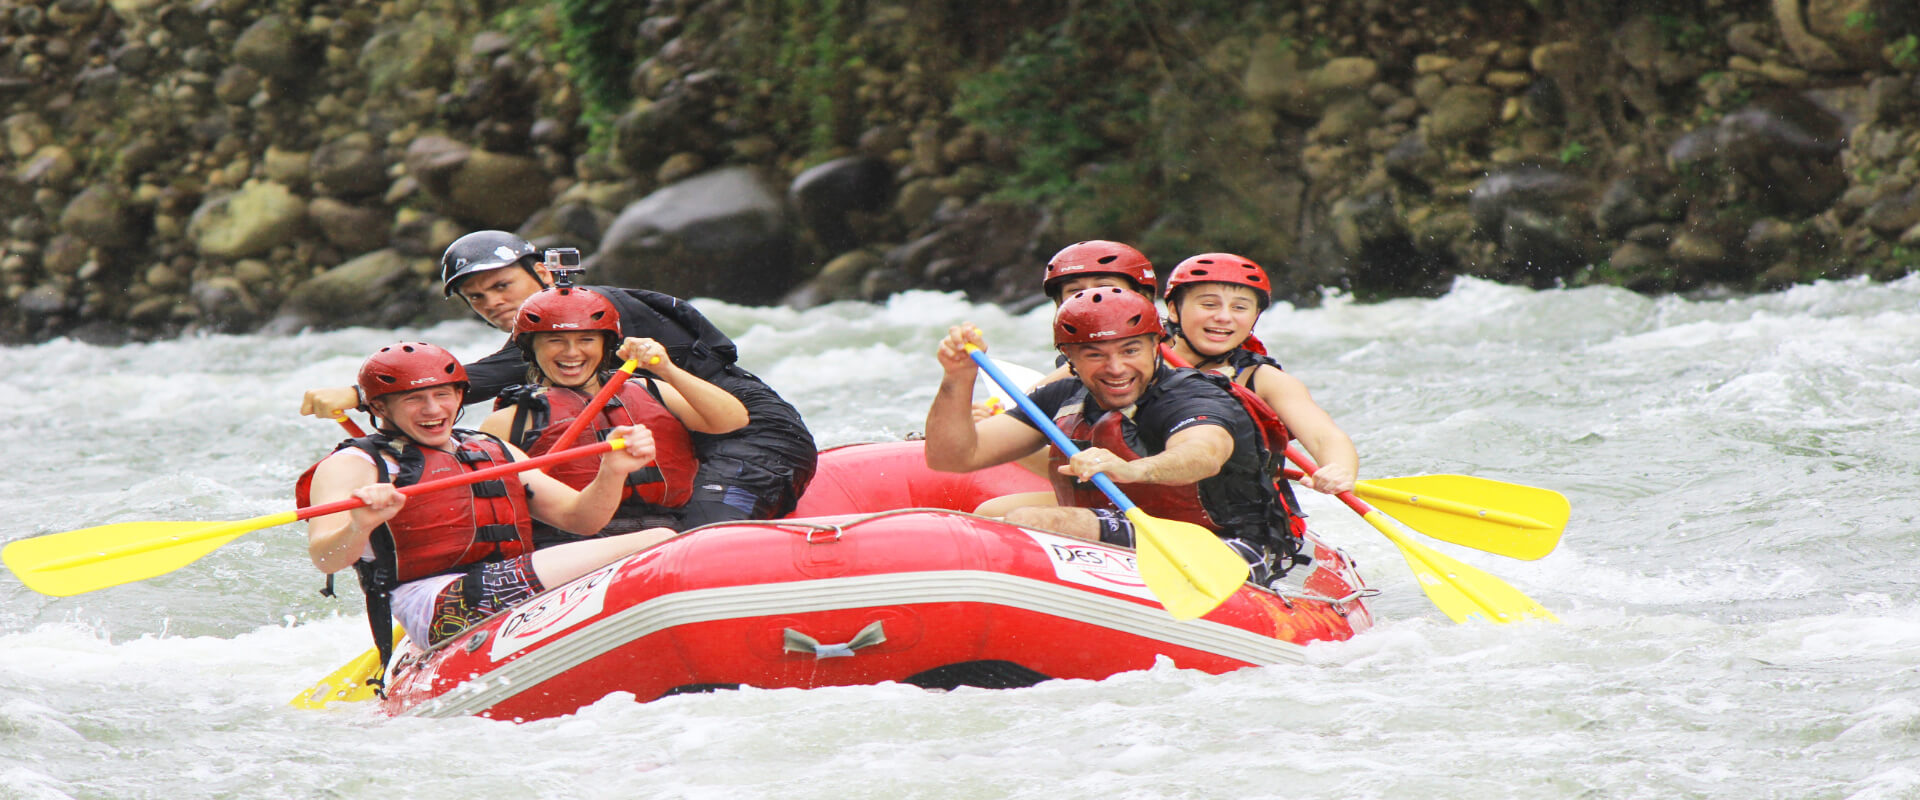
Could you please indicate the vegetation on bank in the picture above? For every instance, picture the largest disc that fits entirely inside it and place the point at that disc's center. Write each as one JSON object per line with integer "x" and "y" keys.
{"x": 1111, "y": 116}
{"x": 216, "y": 164}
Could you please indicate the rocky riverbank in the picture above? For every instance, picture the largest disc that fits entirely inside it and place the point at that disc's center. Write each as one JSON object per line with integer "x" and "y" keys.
{"x": 226, "y": 165}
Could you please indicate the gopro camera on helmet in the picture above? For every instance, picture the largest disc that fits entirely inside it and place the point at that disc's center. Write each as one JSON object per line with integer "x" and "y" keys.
{"x": 563, "y": 262}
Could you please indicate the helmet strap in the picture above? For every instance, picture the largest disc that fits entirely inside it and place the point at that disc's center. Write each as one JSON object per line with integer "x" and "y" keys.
{"x": 1201, "y": 362}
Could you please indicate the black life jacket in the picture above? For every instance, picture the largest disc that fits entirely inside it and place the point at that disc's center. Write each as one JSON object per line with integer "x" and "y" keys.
{"x": 1231, "y": 506}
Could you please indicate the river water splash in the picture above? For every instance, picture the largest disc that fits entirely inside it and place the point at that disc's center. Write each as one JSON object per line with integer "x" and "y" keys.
{"x": 1737, "y": 585}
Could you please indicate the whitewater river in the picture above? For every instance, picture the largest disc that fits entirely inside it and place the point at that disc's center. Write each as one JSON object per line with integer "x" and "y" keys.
{"x": 1737, "y": 587}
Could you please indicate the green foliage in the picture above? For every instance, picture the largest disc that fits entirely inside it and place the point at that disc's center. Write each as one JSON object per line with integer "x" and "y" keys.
{"x": 1861, "y": 21}
{"x": 1058, "y": 97}
{"x": 808, "y": 75}
{"x": 594, "y": 40}
{"x": 1904, "y": 52}
{"x": 1574, "y": 152}
{"x": 1683, "y": 33}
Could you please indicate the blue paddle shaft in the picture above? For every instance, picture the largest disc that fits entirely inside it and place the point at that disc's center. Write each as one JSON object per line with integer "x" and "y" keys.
{"x": 1046, "y": 426}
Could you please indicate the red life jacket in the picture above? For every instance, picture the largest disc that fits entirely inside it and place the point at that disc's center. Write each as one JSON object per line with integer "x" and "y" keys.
{"x": 451, "y": 530}
{"x": 667, "y": 482}
{"x": 448, "y": 530}
{"x": 1180, "y": 502}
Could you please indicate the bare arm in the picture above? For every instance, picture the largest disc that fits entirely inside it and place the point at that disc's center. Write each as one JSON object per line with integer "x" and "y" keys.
{"x": 500, "y": 423}
{"x": 1316, "y": 430}
{"x": 955, "y": 443}
{"x": 335, "y": 541}
{"x": 1192, "y": 455}
{"x": 329, "y": 402}
{"x": 699, "y": 405}
{"x": 588, "y": 509}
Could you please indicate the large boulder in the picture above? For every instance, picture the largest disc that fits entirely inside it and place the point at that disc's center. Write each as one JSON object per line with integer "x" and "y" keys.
{"x": 1782, "y": 151}
{"x": 260, "y": 216}
{"x": 382, "y": 289}
{"x": 1540, "y": 218}
{"x": 353, "y": 165}
{"x": 826, "y": 195}
{"x": 495, "y": 190}
{"x": 721, "y": 234}
{"x": 103, "y": 216}
{"x": 479, "y": 187}
{"x": 274, "y": 45}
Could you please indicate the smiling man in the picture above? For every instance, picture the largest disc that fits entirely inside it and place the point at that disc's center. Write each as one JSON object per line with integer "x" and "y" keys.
{"x": 1175, "y": 440}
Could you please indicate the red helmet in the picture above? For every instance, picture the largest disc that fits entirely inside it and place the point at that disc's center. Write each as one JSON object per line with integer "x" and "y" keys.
{"x": 565, "y": 310}
{"x": 1222, "y": 268}
{"x": 1103, "y": 315}
{"x": 1098, "y": 257}
{"x": 407, "y": 366}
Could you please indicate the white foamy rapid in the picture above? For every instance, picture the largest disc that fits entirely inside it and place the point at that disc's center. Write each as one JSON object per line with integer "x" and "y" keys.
{"x": 1737, "y": 585}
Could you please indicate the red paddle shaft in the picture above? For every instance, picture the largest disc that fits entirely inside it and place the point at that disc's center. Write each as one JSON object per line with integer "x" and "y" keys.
{"x": 472, "y": 477}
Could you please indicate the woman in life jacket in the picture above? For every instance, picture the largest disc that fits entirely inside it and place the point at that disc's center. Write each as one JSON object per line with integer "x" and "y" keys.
{"x": 570, "y": 337}
{"x": 441, "y": 561}
{"x": 1213, "y": 300}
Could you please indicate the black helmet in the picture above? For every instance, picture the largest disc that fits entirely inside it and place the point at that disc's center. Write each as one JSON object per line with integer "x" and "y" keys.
{"x": 481, "y": 251}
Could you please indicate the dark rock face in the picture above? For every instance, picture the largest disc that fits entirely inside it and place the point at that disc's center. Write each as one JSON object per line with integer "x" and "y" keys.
{"x": 1539, "y": 217}
{"x": 175, "y": 166}
{"x": 722, "y": 234}
{"x": 825, "y": 196}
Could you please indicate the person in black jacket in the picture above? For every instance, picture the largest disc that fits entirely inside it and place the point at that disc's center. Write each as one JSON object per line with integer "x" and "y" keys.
{"x": 756, "y": 472}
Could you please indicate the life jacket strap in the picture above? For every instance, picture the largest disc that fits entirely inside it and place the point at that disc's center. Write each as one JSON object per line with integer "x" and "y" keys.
{"x": 472, "y": 456}
{"x": 496, "y": 533}
{"x": 645, "y": 475}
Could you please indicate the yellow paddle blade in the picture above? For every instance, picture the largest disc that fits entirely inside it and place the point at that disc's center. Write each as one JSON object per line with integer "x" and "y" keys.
{"x": 1186, "y": 566}
{"x": 74, "y": 562}
{"x": 1460, "y": 591}
{"x": 348, "y": 684}
{"x": 1516, "y": 521}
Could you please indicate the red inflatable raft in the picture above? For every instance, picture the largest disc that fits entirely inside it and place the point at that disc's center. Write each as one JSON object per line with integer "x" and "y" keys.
{"x": 884, "y": 579}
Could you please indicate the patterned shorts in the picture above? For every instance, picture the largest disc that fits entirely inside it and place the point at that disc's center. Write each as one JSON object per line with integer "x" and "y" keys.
{"x": 503, "y": 584}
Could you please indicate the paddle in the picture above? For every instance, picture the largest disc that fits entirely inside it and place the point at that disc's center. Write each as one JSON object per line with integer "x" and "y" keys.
{"x": 348, "y": 684}
{"x": 1186, "y": 566}
{"x": 1508, "y": 519}
{"x": 599, "y": 401}
{"x": 1461, "y": 592}
{"x": 73, "y": 562}
{"x": 1463, "y": 509}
